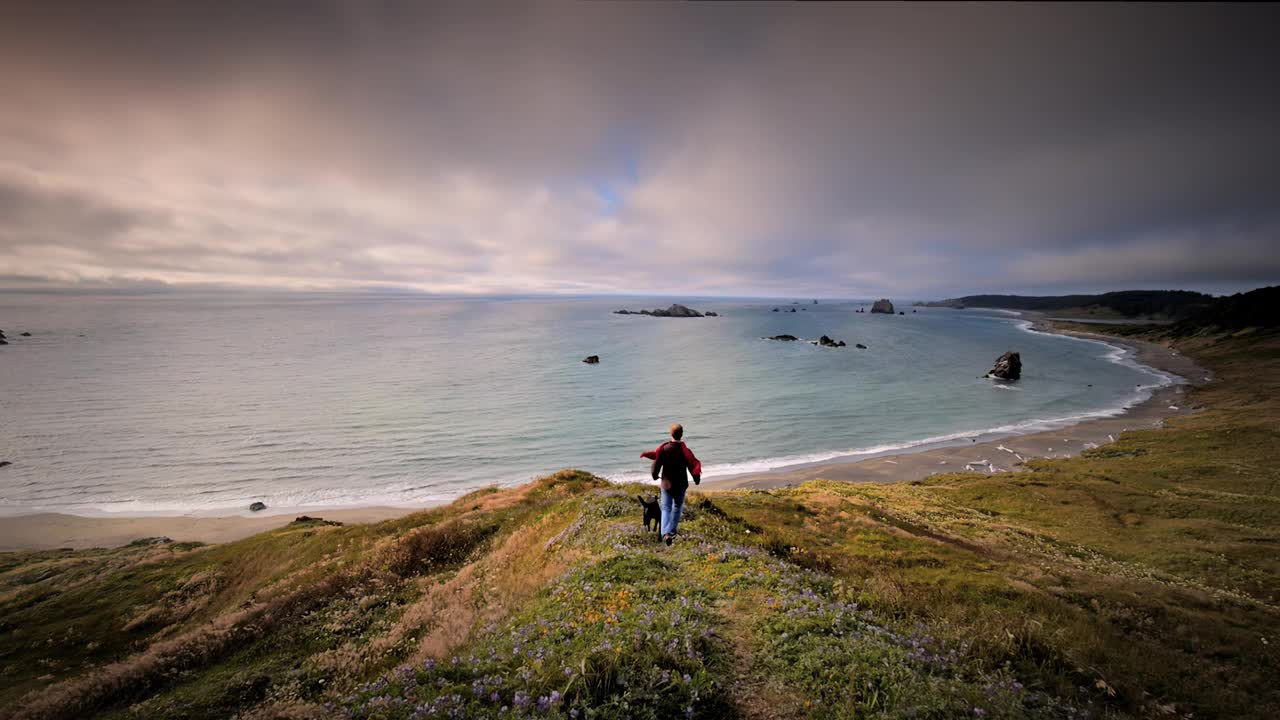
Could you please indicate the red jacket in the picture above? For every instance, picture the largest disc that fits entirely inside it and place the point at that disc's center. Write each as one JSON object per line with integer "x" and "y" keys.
{"x": 673, "y": 463}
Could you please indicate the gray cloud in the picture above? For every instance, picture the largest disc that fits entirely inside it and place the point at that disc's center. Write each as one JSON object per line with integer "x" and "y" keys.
{"x": 635, "y": 148}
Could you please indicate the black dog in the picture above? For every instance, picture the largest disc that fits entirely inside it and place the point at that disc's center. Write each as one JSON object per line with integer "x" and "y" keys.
{"x": 652, "y": 513}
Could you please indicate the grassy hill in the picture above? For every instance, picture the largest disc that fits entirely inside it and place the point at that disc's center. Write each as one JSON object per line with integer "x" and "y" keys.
{"x": 1139, "y": 580}
{"x": 1159, "y": 304}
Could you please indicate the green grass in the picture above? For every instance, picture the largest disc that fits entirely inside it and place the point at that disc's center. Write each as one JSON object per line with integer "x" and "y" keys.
{"x": 1139, "y": 580}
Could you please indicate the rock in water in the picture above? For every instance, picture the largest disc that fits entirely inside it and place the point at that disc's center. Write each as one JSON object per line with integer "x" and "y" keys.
{"x": 711, "y": 314}
{"x": 1008, "y": 367}
{"x": 257, "y": 506}
{"x": 793, "y": 309}
{"x": 882, "y": 306}
{"x": 785, "y": 338}
{"x": 591, "y": 359}
{"x": 26, "y": 334}
{"x": 676, "y": 310}
{"x": 825, "y": 341}
{"x": 5, "y": 463}
{"x": 860, "y": 346}
{"x": 775, "y": 309}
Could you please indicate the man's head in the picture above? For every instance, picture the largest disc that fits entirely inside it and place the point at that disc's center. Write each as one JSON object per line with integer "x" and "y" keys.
{"x": 677, "y": 431}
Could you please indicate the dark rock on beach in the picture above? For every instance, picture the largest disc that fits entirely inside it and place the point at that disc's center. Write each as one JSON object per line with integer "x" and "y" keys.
{"x": 676, "y": 310}
{"x": 257, "y": 506}
{"x": 319, "y": 521}
{"x": 784, "y": 338}
{"x": 146, "y": 541}
{"x": 825, "y": 341}
{"x": 1008, "y": 367}
{"x": 882, "y": 306}
{"x": 591, "y": 359}
{"x": 5, "y": 463}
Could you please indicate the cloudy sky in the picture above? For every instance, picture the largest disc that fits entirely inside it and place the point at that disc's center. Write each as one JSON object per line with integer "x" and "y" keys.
{"x": 639, "y": 147}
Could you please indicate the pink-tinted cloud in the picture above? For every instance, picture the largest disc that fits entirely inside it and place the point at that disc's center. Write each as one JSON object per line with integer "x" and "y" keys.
{"x": 639, "y": 148}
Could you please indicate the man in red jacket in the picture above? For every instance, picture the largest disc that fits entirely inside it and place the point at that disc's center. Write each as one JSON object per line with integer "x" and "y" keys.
{"x": 674, "y": 461}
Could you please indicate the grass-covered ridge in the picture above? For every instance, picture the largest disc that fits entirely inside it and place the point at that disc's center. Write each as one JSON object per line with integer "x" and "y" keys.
{"x": 1141, "y": 580}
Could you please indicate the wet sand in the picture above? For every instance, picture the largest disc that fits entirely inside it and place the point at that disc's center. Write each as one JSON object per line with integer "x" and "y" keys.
{"x": 980, "y": 454}
{"x": 52, "y": 530}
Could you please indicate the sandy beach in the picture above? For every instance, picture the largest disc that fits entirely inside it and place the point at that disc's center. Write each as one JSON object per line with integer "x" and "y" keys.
{"x": 49, "y": 531}
{"x": 52, "y": 530}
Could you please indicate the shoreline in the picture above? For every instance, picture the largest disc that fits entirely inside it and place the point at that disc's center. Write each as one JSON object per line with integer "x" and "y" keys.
{"x": 997, "y": 453}
{"x": 1004, "y": 452}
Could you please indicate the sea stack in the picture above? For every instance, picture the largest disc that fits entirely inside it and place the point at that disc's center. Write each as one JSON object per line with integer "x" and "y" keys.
{"x": 882, "y": 306}
{"x": 1008, "y": 367}
{"x": 591, "y": 359}
{"x": 676, "y": 310}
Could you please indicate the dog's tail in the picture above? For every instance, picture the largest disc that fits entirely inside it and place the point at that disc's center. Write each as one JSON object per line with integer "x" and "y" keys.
{"x": 642, "y": 502}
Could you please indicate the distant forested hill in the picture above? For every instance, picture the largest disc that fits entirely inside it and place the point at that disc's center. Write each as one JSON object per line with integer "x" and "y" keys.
{"x": 1255, "y": 309}
{"x": 1173, "y": 304}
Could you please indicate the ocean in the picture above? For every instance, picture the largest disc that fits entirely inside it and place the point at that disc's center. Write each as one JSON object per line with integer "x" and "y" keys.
{"x": 202, "y": 404}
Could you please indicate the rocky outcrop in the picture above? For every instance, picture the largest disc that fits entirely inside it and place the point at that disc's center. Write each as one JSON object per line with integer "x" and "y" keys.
{"x": 901, "y": 313}
{"x": 775, "y": 310}
{"x": 711, "y": 314}
{"x": 784, "y": 338}
{"x": 148, "y": 541}
{"x": 825, "y": 341}
{"x": 860, "y": 346}
{"x": 2, "y": 340}
{"x": 676, "y": 310}
{"x": 882, "y": 306}
{"x": 793, "y": 309}
{"x": 317, "y": 521}
{"x": 26, "y": 334}
{"x": 5, "y": 463}
{"x": 1008, "y": 367}
{"x": 591, "y": 359}
{"x": 257, "y": 506}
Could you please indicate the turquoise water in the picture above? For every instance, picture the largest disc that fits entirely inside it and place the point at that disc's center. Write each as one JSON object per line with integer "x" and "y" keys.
{"x": 168, "y": 404}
